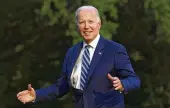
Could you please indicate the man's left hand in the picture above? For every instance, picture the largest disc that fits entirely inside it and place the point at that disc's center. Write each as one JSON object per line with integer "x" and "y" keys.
{"x": 117, "y": 85}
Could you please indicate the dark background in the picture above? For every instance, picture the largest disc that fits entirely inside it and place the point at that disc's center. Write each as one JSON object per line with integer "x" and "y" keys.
{"x": 35, "y": 35}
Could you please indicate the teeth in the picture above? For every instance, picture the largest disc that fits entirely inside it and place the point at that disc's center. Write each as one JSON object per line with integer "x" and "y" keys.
{"x": 87, "y": 32}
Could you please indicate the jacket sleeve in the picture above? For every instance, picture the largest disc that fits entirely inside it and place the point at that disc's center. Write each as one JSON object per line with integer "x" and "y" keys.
{"x": 125, "y": 71}
{"x": 58, "y": 89}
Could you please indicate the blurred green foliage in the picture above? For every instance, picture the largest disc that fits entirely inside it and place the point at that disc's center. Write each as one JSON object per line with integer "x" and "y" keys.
{"x": 35, "y": 35}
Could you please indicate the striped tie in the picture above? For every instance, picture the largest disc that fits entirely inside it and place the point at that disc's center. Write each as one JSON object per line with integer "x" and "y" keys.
{"x": 85, "y": 67}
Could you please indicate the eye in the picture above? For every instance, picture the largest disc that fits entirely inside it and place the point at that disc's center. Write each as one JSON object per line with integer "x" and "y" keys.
{"x": 81, "y": 22}
{"x": 91, "y": 22}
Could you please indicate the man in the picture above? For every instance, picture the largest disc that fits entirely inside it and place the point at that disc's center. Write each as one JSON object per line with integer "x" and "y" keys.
{"x": 97, "y": 71}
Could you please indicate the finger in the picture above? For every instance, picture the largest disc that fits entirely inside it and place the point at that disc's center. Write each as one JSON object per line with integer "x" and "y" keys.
{"x": 29, "y": 87}
{"x": 118, "y": 87}
{"x": 115, "y": 85}
{"x": 115, "y": 78}
{"x": 24, "y": 99}
{"x": 21, "y": 93}
{"x": 27, "y": 99}
{"x": 20, "y": 98}
{"x": 110, "y": 77}
{"x": 18, "y": 94}
{"x": 116, "y": 82}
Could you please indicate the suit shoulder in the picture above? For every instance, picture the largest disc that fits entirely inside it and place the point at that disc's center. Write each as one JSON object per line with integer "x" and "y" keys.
{"x": 74, "y": 47}
{"x": 114, "y": 45}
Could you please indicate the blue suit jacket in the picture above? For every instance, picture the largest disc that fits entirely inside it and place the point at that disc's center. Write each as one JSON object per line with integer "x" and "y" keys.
{"x": 109, "y": 57}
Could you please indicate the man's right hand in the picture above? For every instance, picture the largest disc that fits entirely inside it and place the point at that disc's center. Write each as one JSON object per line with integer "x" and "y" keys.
{"x": 27, "y": 95}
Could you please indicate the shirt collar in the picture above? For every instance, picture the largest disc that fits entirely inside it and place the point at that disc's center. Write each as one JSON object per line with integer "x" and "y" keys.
{"x": 93, "y": 44}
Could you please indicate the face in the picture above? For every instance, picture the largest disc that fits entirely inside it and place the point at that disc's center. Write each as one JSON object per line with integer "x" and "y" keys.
{"x": 88, "y": 25}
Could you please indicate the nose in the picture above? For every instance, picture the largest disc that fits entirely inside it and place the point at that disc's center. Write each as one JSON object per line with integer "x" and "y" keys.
{"x": 86, "y": 25}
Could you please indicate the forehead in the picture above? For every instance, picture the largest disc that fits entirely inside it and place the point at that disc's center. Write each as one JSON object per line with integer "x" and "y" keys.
{"x": 87, "y": 13}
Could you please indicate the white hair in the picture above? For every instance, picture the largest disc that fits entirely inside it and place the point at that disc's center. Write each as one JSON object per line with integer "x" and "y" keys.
{"x": 87, "y": 7}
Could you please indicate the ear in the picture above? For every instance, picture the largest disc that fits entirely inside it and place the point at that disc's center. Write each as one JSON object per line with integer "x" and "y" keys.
{"x": 77, "y": 28}
{"x": 99, "y": 25}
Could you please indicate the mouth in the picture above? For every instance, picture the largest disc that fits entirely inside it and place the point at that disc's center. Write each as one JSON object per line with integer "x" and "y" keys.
{"x": 87, "y": 32}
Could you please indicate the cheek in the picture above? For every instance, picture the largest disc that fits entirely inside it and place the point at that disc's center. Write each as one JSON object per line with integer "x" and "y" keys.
{"x": 96, "y": 27}
{"x": 80, "y": 29}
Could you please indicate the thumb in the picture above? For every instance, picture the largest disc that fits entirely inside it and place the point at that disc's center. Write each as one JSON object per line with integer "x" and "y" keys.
{"x": 110, "y": 77}
{"x": 30, "y": 87}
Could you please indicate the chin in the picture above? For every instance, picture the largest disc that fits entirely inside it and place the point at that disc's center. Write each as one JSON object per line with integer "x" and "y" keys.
{"x": 88, "y": 38}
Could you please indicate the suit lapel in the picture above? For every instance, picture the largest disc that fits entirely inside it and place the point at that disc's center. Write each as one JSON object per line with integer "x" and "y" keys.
{"x": 96, "y": 57}
{"x": 95, "y": 60}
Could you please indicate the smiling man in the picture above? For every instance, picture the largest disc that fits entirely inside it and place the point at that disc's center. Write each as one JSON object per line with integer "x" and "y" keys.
{"x": 98, "y": 71}
{"x": 88, "y": 22}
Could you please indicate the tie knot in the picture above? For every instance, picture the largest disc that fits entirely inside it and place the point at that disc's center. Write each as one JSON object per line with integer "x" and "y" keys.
{"x": 87, "y": 46}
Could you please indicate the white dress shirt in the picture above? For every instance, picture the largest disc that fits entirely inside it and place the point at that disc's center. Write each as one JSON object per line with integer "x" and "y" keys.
{"x": 76, "y": 73}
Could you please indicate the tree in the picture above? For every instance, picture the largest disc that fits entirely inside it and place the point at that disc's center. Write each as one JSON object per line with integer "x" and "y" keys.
{"x": 144, "y": 30}
{"x": 35, "y": 35}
